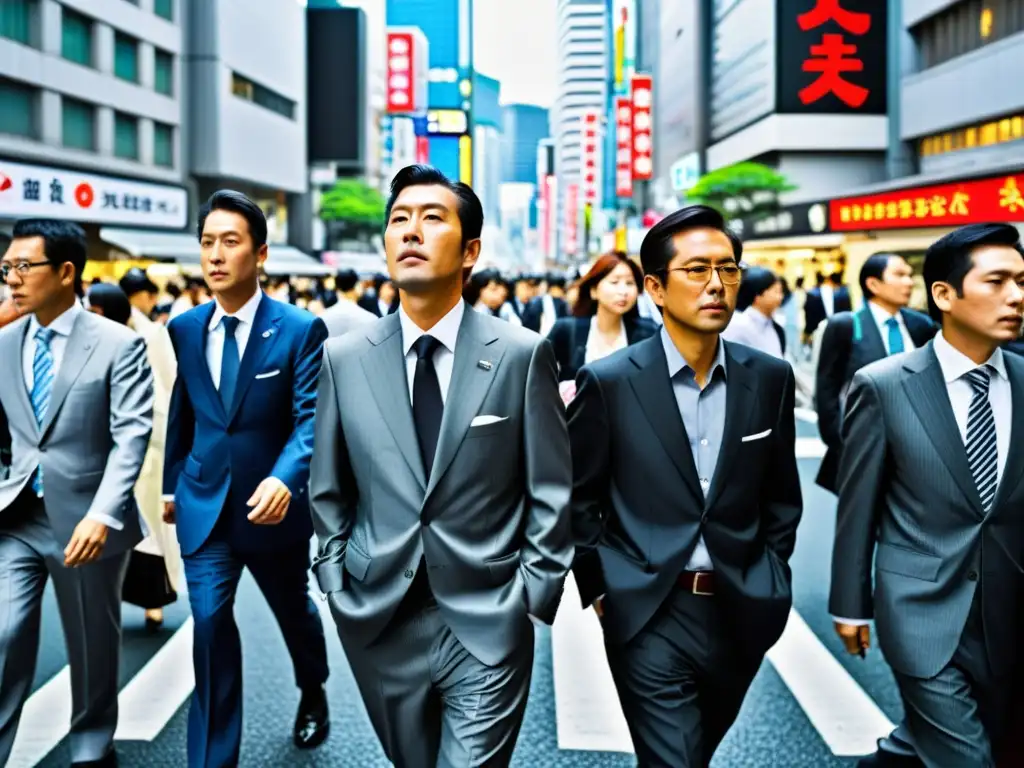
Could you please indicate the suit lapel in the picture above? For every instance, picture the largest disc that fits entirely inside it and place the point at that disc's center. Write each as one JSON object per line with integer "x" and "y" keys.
{"x": 262, "y": 337}
{"x": 1014, "y": 467}
{"x": 384, "y": 366}
{"x": 741, "y": 400}
{"x": 467, "y": 390}
{"x": 16, "y": 349}
{"x": 929, "y": 397}
{"x": 872, "y": 344}
{"x": 653, "y": 389}
{"x": 77, "y": 351}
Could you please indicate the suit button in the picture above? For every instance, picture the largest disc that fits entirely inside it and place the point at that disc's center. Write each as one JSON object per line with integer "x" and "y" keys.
{"x": 704, "y": 517}
{"x": 972, "y": 575}
{"x": 409, "y": 573}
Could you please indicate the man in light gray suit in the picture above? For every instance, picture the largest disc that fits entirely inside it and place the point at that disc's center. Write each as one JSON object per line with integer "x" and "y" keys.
{"x": 76, "y": 392}
{"x": 933, "y": 454}
{"x": 443, "y": 532}
{"x": 346, "y": 315}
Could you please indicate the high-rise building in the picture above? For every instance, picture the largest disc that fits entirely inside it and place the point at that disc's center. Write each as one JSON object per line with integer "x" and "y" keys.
{"x": 582, "y": 85}
{"x": 525, "y": 125}
{"x": 487, "y": 145}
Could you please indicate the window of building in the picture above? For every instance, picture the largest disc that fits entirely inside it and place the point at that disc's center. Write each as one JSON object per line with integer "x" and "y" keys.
{"x": 246, "y": 89}
{"x": 126, "y": 57}
{"x": 163, "y": 145}
{"x": 78, "y": 124}
{"x": 19, "y": 113}
{"x": 126, "y": 136}
{"x": 164, "y": 9}
{"x": 1001, "y": 131}
{"x": 965, "y": 27}
{"x": 163, "y": 73}
{"x": 76, "y": 37}
{"x": 18, "y": 20}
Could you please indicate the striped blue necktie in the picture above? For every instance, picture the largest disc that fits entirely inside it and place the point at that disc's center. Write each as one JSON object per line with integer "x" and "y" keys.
{"x": 982, "y": 453}
{"x": 42, "y": 386}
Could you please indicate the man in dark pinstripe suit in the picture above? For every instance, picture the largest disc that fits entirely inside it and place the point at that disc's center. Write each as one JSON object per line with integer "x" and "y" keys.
{"x": 931, "y": 472}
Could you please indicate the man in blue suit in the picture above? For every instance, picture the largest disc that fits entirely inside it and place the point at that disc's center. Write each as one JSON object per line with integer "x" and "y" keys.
{"x": 239, "y": 441}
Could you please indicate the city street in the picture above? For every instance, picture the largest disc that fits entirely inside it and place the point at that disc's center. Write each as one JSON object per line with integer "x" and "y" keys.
{"x": 809, "y": 706}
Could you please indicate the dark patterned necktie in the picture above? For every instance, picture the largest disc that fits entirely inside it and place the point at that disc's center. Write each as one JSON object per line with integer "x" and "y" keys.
{"x": 982, "y": 454}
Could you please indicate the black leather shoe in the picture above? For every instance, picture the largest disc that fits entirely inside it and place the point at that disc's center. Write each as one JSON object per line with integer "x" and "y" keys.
{"x": 312, "y": 723}
{"x": 107, "y": 761}
{"x": 884, "y": 759}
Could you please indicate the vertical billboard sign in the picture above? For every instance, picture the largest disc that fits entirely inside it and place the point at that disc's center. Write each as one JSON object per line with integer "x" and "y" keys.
{"x": 407, "y": 69}
{"x": 591, "y": 156}
{"x": 624, "y": 29}
{"x": 641, "y": 98}
{"x": 623, "y": 146}
{"x": 831, "y": 57}
{"x": 572, "y": 213}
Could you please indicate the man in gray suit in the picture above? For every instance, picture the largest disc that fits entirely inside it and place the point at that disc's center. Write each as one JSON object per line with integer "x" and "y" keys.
{"x": 346, "y": 315}
{"x": 930, "y": 484}
{"x": 443, "y": 533}
{"x": 76, "y": 391}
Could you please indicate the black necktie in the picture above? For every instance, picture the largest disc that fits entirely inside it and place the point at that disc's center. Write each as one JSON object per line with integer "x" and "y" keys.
{"x": 427, "y": 405}
{"x": 229, "y": 363}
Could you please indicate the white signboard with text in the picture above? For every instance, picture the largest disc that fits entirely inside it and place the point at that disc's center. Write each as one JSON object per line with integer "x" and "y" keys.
{"x": 57, "y": 193}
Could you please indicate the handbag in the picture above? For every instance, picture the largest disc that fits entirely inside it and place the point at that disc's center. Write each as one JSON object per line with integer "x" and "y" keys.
{"x": 145, "y": 583}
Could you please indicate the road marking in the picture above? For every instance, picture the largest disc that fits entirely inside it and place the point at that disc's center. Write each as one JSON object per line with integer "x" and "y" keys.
{"x": 45, "y": 720}
{"x": 806, "y": 414}
{"x": 846, "y": 718}
{"x": 587, "y": 712}
{"x": 158, "y": 691}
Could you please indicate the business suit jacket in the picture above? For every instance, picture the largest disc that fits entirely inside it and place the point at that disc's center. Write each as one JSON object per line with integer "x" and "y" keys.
{"x": 346, "y": 316}
{"x": 533, "y": 314}
{"x": 905, "y": 484}
{"x": 637, "y": 505}
{"x": 840, "y": 358}
{"x": 95, "y": 432}
{"x": 491, "y": 520}
{"x": 569, "y": 337}
{"x": 217, "y": 457}
{"x": 814, "y": 307}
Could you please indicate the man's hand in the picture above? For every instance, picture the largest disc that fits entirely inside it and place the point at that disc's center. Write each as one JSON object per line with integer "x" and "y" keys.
{"x": 86, "y": 543}
{"x": 856, "y": 638}
{"x": 169, "y": 512}
{"x": 270, "y": 502}
{"x": 599, "y": 607}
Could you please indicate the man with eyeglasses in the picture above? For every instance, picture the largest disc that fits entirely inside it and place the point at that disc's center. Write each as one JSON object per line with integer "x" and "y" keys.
{"x": 76, "y": 392}
{"x": 686, "y": 499}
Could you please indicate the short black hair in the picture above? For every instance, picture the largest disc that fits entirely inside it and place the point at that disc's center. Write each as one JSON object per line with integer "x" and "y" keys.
{"x": 471, "y": 212}
{"x": 951, "y": 257}
{"x": 756, "y": 280}
{"x": 346, "y": 280}
{"x": 875, "y": 267}
{"x": 63, "y": 243}
{"x": 236, "y": 202}
{"x": 112, "y": 300}
{"x": 656, "y": 251}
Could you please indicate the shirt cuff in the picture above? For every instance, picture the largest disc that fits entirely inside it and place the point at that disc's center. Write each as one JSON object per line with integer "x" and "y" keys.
{"x": 167, "y": 497}
{"x": 108, "y": 521}
{"x": 851, "y": 622}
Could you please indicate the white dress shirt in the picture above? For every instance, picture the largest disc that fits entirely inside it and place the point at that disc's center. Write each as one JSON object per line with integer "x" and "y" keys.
{"x": 828, "y": 299}
{"x": 955, "y": 365}
{"x": 596, "y": 346}
{"x": 882, "y": 318}
{"x": 61, "y": 328}
{"x": 215, "y": 339}
{"x": 446, "y": 331}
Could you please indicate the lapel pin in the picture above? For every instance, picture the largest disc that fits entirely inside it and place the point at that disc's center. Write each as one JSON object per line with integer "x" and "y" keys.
{"x": 485, "y": 364}
{"x": 268, "y": 334}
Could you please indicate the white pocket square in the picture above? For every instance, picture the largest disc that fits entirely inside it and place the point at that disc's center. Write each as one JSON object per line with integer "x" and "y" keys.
{"x": 268, "y": 374}
{"x": 479, "y": 421}
{"x": 758, "y": 436}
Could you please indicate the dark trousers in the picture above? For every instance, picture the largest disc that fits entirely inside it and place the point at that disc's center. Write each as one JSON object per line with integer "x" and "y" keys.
{"x": 213, "y": 573}
{"x": 681, "y": 681}
{"x": 957, "y": 716}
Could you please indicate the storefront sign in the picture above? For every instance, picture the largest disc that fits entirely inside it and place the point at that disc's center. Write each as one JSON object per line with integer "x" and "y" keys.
{"x": 641, "y": 93}
{"x": 406, "y": 70}
{"x": 799, "y": 219}
{"x": 623, "y": 147}
{"x": 943, "y": 205}
{"x": 831, "y": 57}
{"x": 591, "y": 155}
{"x": 33, "y": 190}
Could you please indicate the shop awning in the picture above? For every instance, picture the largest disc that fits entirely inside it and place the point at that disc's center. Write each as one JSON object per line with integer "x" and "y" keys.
{"x": 183, "y": 248}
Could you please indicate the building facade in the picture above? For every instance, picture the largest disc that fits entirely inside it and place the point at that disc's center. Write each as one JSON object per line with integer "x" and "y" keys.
{"x": 487, "y": 145}
{"x": 525, "y": 125}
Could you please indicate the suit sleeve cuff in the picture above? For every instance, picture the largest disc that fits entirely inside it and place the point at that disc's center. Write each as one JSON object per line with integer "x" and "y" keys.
{"x": 106, "y": 520}
{"x": 851, "y": 622}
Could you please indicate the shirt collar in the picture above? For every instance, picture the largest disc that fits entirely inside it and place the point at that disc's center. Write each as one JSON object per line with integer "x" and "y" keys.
{"x": 63, "y": 325}
{"x": 246, "y": 315}
{"x": 882, "y": 316}
{"x": 445, "y": 330}
{"x": 676, "y": 362}
{"x": 757, "y": 317}
{"x": 955, "y": 364}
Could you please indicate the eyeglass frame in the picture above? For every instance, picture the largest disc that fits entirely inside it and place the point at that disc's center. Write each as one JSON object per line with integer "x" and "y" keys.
{"x": 21, "y": 267}
{"x": 740, "y": 266}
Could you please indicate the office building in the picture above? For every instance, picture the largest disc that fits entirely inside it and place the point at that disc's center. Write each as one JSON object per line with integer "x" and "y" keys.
{"x": 487, "y": 145}
{"x": 524, "y": 127}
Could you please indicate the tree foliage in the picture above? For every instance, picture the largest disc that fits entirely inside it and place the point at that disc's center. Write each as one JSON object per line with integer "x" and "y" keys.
{"x": 354, "y": 203}
{"x": 743, "y": 189}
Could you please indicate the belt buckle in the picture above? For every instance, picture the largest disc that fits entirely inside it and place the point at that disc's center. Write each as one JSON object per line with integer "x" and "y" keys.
{"x": 696, "y": 584}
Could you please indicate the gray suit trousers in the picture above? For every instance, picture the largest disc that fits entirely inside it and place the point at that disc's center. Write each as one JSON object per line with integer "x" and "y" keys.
{"x": 89, "y": 599}
{"x": 432, "y": 703}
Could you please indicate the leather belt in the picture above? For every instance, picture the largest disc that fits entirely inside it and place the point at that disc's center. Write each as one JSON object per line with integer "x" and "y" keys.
{"x": 698, "y": 582}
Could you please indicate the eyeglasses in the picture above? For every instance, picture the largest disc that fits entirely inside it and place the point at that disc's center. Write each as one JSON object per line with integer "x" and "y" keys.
{"x": 22, "y": 268}
{"x": 700, "y": 275}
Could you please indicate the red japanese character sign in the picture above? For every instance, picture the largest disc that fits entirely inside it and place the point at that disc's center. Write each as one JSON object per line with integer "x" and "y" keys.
{"x": 623, "y": 147}
{"x": 591, "y": 156}
{"x": 641, "y": 95}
